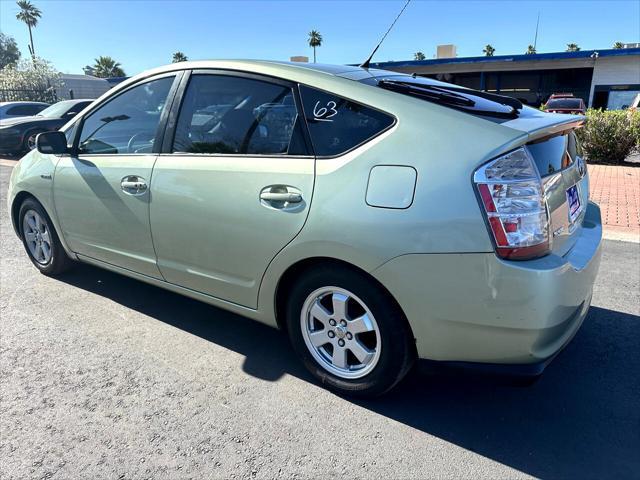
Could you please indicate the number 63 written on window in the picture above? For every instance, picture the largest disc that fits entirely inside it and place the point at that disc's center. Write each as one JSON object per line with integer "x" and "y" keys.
{"x": 325, "y": 113}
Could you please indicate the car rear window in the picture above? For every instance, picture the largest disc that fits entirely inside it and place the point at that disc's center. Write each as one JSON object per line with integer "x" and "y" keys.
{"x": 564, "y": 103}
{"x": 337, "y": 125}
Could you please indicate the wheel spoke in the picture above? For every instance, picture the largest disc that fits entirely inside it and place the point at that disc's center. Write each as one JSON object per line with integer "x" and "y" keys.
{"x": 339, "y": 302}
{"x": 363, "y": 354}
{"x": 45, "y": 236}
{"x": 46, "y": 251}
{"x": 32, "y": 222}
{"x": 320, "y": 313}
{"x": 38, "y": 222}
{"x": 339, "y": 358}
{"x": 39, "y": 254}
{"x": 30, "y": 236}
{"x": 361, "y": 324}
{"x": 319, "y": 338}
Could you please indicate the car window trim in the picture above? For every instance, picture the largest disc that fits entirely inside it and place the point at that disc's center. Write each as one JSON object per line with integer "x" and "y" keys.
{"x": 159, "y": 131}
{"x": 169, "y": 135}
{"x": 364, "y": 142}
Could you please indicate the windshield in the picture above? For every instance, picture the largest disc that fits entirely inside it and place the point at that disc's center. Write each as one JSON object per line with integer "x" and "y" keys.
{"x": 56, "y": 110}
{"x": 471, "y": 101}
{"x": 564, "y": 103}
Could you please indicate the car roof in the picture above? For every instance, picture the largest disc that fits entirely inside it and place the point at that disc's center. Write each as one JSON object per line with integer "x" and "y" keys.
{"x": 273, "y": 67}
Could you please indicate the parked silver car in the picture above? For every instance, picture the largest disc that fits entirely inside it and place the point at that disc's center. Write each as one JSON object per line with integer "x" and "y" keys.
{"x": 376, "y": 217}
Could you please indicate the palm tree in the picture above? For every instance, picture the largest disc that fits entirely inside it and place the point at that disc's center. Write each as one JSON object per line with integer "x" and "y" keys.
{"x": 618, "y": 45}
{"x": 30, "y": 15}
{"x": 573, "y": 47}
{"x": 531, "y": 50}
{"x": 315, "y": 40}
{"x": 107, "y": 67}
{"x": 488, "y": 50}
{"x": 419, "y": 56}
{"x": 179, "y": 57}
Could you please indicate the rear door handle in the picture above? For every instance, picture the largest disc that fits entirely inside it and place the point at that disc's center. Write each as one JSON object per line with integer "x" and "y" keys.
{"x": 281, "y": 197}
{"x": 133, "y": 185}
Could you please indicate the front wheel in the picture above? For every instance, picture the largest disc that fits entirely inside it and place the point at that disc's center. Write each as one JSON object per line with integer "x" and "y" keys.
{"x": 30, "y": 140}
{"x": 40, "y": 239}
{"x": 349, "y": 332}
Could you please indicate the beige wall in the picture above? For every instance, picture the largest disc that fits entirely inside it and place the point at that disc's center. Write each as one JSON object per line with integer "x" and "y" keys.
{"x": 615, "y": 71}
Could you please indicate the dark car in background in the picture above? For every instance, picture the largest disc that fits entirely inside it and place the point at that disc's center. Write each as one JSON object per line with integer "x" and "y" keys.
{"x": 18, "y": 135}
{"x": 565, "y": 103}
{"x": 20, "y": 109}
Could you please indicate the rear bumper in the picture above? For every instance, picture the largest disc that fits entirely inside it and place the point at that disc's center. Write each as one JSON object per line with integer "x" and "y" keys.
{"x": 478, "y": 308}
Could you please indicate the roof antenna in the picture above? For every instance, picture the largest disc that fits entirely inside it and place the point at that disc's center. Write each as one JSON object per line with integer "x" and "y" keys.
{"x": 368, "y": 60}
{"x": 535, "y": 40}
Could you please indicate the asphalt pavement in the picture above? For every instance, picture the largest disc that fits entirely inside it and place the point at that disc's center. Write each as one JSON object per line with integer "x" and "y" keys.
{"x": 102, "y": 376}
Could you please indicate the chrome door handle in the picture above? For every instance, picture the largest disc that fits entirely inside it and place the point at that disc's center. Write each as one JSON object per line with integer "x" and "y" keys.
{"x": 281, "y": 197}
{"x": 133, "y": 185}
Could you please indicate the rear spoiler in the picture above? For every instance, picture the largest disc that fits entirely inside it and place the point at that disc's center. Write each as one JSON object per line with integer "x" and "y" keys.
{"x": 540, "y": 125}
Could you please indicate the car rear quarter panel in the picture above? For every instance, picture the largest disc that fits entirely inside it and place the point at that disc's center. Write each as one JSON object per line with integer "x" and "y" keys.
{"x": 444, "y": 147}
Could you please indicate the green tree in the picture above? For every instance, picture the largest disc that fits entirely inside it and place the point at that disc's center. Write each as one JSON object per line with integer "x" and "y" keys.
{"x": 531, "y": 50}
{"x": 573, "y": 47}
{"x": 315, "y": 40}
{"x": 9, "y": 52}
{"x": 617, "y": 45}
{"x": 419, "y": 56}
{"x": 29, "y": 14}
{"x": 179, "y": 57}
{"x": 107, "y": 67}
{"x": 488, "y": 50}
{"x": 32, "y": 79}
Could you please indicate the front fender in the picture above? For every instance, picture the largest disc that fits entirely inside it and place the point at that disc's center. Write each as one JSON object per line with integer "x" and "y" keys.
{"x": 34, "y": 175}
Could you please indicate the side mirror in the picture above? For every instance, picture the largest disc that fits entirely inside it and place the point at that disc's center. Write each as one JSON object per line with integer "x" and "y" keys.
{"x": 52, "y": 143}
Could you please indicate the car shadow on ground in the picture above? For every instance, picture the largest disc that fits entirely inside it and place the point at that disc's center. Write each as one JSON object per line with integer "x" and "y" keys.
{"x": 580, "y": 420}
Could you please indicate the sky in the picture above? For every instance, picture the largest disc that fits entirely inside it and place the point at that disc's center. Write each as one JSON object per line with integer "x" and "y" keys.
{"x": 144, "y": 34}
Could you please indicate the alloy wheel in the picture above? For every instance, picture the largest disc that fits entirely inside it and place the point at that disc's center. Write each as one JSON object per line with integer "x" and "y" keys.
{"x": 37, "y": 237}
{"x": 340, "y": 332}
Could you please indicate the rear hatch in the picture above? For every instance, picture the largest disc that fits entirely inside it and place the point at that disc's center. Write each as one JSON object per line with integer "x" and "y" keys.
{"x": 557, "y": 155}
{"x": 549, "y": 138}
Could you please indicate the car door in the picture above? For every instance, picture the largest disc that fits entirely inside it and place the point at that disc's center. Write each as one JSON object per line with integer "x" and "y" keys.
{"x": 101, "y": 191}
{"x": 233, "y": 187}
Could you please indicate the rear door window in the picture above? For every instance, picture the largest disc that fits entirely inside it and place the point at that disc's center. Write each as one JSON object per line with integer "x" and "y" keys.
{"x": 224, "y": 114}
{"x": 337, "y": 125}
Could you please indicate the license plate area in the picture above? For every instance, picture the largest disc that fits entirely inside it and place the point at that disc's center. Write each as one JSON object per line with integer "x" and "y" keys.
{"x": 573, "y": 200}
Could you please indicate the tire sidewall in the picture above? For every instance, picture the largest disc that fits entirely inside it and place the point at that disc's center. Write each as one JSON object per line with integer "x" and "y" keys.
{"x": 396, "y": 353}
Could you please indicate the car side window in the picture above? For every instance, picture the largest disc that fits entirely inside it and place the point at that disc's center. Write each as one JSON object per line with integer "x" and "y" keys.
{"x": 337, "y": 125}
{"x": 223, "y": 114}
{"x": 128, "y": 123}
{"x": 25, "y": 110}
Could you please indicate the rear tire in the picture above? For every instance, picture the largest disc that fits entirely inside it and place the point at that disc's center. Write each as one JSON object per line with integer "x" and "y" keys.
{"x": 349, "y": 332}
{"x": 41, "y": 240}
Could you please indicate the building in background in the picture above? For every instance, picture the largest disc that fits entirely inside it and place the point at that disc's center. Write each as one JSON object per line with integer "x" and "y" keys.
{"x": 608, "y": 78}
{"x": 84, "y": 86}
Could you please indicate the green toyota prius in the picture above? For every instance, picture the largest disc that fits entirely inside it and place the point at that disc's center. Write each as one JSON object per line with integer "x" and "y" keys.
{"x": 376, "y": 217}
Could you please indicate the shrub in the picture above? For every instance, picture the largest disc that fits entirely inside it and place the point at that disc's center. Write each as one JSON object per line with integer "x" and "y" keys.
{"x": 31, "y": 79}
{"x": 610, "y": 136}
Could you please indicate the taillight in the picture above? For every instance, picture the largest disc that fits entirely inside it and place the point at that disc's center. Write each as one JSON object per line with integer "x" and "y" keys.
{"x": 512, "y": 197}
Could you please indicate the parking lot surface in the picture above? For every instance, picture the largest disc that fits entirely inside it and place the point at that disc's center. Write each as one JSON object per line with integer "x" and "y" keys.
{"x": 102, "y": 376}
